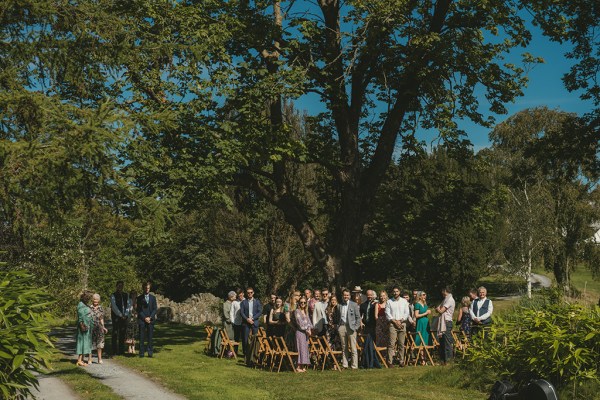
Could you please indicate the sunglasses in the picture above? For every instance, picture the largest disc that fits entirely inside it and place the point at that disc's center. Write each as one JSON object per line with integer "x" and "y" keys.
{"x": 302, "y": 303}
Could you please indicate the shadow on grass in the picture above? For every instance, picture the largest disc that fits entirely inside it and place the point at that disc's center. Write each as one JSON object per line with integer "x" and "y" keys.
{"x": 167, "y": 334}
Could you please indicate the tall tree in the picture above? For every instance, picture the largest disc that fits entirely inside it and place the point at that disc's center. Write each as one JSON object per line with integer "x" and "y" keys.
{"x": 549, "y": 153}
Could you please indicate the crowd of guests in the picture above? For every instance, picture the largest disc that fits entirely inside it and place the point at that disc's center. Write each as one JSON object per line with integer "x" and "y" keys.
{"x": 384, "y": 320}
{"x": 132, "y": 317}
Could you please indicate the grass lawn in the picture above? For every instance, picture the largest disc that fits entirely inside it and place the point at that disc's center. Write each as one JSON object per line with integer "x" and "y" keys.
{"x": 180, "y": 364}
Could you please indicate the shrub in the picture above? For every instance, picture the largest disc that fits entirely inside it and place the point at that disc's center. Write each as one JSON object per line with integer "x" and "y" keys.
{"x": 24, "y": 324}
{"x": 560, "y": 343}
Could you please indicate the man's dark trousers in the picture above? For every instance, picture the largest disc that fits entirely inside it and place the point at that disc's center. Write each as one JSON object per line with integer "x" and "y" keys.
{"x": 119, "y": 327}
{"x": 146, "y": 332}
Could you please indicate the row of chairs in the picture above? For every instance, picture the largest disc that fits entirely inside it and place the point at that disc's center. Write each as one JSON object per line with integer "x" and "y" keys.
{"x": 273, "y": 352}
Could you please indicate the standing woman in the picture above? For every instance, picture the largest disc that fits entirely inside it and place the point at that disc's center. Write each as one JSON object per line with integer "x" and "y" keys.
{"x": 421, "y": 313}
{"x": 332, "y": 324}
{"x": 132, "y": 330}
{"x": 236, "y": 318}
{"x": 99, "y": 329}
{"x": 227, "y": 322}
{"x": 382, "y": 328}
{"x": 276, "y": 319}
{"x": 303, "y": 331}
{"x": 464, "y": 318}
{"x": 85, "y": 324}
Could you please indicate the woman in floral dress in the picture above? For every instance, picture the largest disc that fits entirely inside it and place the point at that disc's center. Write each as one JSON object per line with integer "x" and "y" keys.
{"x": 303, "y": 332}
{"x": 99, "y": 329}
{"x": 382, "y": 329}
{"x": 332, "y": 334}
{"x": 132, "y": 323}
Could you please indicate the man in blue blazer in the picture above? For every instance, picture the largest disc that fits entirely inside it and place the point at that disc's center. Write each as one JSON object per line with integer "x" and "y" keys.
{"x": 146, "y": 310}
{"x": 251, "y": 310}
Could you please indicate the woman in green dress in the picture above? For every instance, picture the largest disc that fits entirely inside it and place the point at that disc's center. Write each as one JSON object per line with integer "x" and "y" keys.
{"x": 85, "y": 324}
{"x": 421, "y": 313}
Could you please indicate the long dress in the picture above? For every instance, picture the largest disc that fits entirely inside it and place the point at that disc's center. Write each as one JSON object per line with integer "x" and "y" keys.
{"x": 97, "y": 332}
{"x": 333, "y": 337}
{"x": 422, "y": 323}
{"x": 132, "y": 331}
{"x": 303, "y": 324}
{"x": 382, "y": 328}
{"x": 84, "y": 337}
{"x": 465, "y": 322}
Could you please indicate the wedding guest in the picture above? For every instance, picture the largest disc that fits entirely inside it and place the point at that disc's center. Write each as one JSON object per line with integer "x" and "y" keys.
{"x": 236, "y": 318}
{"x": 276, "y": 319}
{"x": 464, "y": 318}
{"x": 444, "y": 329}
{"x": 332, "y": 323}
{"x": 303, "y": 332}
{"x": 382, "y": 329}
{"x": 132, "y": 331}
{"x": 267, "y": 311}
{"x": 85, "y": 324}
{"x": 146, "y": 311}
{"x": 227, "y": 323}
{"x": 99, "y": 329}
{"x": 118, "y": 316}
{"x": 397, "y": 313}
{"x": 251, "y": 310}
{"x": 348, "y": 315}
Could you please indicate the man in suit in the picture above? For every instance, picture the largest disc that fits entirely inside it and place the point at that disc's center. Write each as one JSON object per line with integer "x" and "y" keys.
{"x": 250, "y": 310}
{"x": 146, "y": 309}
{"x": 367, "y": 314}
{"x": 118, "y": 316}
{"x": 348, "y": 317}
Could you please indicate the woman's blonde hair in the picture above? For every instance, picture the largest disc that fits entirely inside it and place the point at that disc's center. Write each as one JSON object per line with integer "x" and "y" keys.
{"x": 466, "y": 301}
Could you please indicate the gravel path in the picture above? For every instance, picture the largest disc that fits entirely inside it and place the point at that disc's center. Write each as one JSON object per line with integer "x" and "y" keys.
{"x": 123, "y": 381}
{"x": 52, "y": 388}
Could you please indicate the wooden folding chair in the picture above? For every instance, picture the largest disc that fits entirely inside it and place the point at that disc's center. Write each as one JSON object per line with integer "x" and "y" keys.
{"x": 277, "y": 353}
{"x": 330, "y": 353}
{"x": 286, "y": 354}
{"x": 318, "y": 349}
{"x": 227, "y": 344}
{"x": 423, "y": 349}
{"x": 262, "y": 332}
{"x": 209, "y": 329}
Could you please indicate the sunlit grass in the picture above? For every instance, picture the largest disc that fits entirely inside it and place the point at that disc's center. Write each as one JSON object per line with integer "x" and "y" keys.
{"x": 180, "y": 364}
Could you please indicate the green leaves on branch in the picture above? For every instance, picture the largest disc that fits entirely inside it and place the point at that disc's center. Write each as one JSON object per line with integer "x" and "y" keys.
{"x": 24, "y": 344}
{"x": 560, "y": 343}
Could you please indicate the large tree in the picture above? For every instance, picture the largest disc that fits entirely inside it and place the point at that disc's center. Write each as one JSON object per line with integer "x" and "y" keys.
{"x": 200, "y": 89}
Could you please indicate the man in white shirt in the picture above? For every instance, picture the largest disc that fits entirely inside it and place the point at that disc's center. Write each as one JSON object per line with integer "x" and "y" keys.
{"x": 446, "y": 310}
{"x": 481, "y": 310}
{"x": 397, "y": 313}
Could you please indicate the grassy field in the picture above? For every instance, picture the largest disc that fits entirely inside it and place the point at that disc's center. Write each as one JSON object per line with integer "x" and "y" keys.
{"x": 180, "y": 364}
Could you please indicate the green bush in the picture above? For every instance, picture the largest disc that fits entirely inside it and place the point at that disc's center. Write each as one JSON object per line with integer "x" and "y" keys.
{"x": 557, "y": 342}
{"x": 24, "y": 343}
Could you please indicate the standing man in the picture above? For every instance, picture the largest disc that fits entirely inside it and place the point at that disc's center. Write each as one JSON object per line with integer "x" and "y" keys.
{"x": 266, "y": 311}
{"x": 348, "y": 315}
{"x": 446, "y": 310}
{"x": 119, "y": 316}
{"x": 325, "y": 295}
{"x": 146, "y": 309}
{"x": 367, "y": 314}
{"x": 481, "y": 311}
{"x": 250, "y": 310}
{"x": 397, "y": 313}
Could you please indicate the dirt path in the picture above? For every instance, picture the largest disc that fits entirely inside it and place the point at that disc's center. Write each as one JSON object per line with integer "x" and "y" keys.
{"x": 123, "y": 381}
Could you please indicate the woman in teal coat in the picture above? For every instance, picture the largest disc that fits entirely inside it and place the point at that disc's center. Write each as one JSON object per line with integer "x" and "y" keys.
{"x": 85, "y": 323}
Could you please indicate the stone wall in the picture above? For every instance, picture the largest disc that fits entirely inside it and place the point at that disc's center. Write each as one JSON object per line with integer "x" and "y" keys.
{"x": 197, "y": 310}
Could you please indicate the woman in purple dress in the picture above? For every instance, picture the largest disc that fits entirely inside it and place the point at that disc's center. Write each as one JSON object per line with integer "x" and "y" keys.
{"x": 303, "y": 331}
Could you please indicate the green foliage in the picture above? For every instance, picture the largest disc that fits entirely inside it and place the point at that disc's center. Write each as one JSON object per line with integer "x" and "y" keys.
{"x": 24, "y": 323}
{"x": 559, "y": 342}
{"x": 437, "y": 224}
